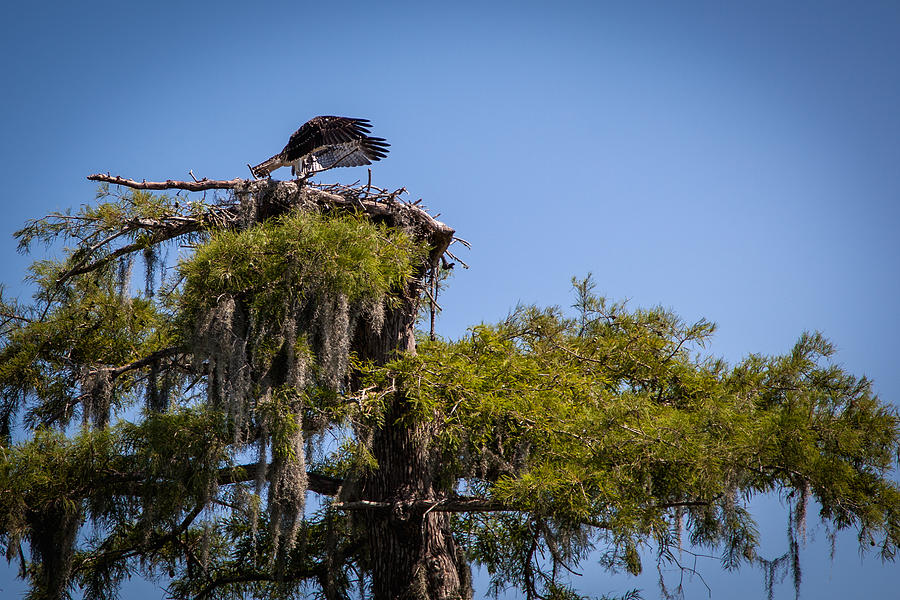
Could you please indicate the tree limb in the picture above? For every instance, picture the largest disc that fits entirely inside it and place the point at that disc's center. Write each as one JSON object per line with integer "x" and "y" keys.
{"x": 321, "y": 484}
{"x": 169, "y": 184}
{"x": 446, "y": 505}
{"x": 179, "y": 229}
{"x": 147, "y": 360}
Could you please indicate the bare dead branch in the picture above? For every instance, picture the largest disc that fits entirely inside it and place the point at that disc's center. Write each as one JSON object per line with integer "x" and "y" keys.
{"x": 432, "y": 300}
{"x": 463, "y": 242}
{"x": 457, "y": 259}
{"x": 169, "y": 184}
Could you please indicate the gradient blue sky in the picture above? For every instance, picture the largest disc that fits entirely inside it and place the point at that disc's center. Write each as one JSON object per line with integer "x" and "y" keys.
{"x": 734, "y": 161}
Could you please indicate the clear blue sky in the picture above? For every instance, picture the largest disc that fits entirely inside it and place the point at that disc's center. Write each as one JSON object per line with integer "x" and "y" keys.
{"x": 735, "y": 161}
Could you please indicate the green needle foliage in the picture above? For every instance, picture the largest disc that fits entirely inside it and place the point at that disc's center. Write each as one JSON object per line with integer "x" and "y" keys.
{"x": 606, "y": 427}
{"x": 175, "y": 431}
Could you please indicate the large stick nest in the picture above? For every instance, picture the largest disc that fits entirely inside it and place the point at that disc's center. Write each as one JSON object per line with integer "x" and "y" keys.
{"x": 266, "y": 198}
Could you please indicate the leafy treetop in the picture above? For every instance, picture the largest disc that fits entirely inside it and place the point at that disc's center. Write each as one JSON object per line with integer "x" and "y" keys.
{"x": 551, "y": 434}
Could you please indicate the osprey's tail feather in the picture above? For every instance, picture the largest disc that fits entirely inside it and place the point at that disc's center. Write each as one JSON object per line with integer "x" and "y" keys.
{"x": 264, "y": 168}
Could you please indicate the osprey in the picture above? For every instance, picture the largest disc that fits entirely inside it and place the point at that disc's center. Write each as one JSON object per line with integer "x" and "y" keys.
{"x": 324, "y": 143}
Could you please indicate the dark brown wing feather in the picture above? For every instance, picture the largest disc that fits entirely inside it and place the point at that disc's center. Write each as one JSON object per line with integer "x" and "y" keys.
{"x": 326, "y": 142}
{"x": 319, "y": 132}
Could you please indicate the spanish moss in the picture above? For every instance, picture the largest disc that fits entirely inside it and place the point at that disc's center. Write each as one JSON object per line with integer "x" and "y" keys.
{"x": 97, "y": 392}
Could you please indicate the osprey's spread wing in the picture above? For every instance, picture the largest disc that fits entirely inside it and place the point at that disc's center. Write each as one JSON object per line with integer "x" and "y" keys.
{"x": 324, "y": 143}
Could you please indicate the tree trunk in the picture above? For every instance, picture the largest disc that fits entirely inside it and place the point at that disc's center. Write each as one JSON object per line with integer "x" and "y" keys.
{"x": 413, "y": 552}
